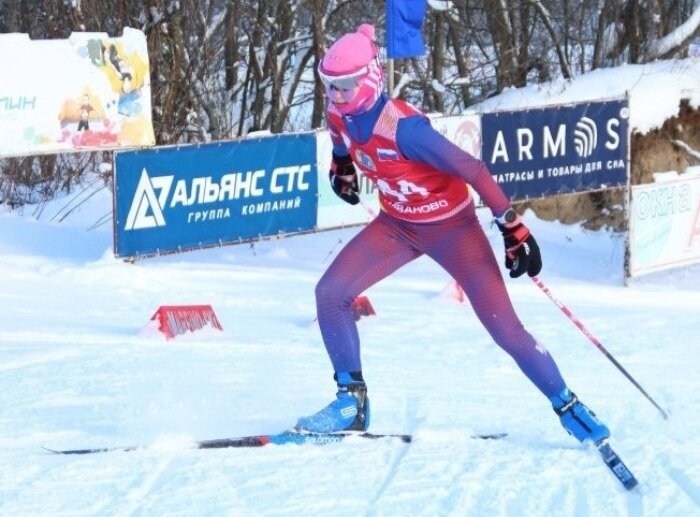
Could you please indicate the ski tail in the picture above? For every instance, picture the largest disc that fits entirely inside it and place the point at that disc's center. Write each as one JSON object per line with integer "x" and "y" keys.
{"x": 616, "y": 465}
{"x": 92, "y": 451}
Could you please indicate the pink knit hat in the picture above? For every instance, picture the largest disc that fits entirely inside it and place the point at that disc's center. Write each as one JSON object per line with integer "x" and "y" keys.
{"x": 351, "y": 72}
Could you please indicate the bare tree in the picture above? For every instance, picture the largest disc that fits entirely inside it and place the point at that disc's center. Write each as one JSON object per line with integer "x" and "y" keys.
{"x": 220, "y": 68}
{"x": 645, "y": 30}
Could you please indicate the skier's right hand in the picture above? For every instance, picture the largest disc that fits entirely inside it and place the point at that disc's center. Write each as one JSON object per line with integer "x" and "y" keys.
{"x": 343, "y": 179}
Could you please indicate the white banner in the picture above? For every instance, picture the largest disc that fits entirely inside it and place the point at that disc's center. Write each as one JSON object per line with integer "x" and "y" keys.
{"x": 664, "y": 225}
{"x": 463, "y": 130}
{"x": 86, "y": 92}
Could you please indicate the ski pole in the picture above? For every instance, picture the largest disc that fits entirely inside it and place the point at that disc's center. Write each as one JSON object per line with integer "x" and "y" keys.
{"x": 368, "y": 209}
{"x": 594, "y": 340}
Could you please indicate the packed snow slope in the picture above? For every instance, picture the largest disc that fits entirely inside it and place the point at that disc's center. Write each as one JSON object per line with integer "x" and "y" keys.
{"x": 80, "y": 366}
{"x": 78, "y": 370}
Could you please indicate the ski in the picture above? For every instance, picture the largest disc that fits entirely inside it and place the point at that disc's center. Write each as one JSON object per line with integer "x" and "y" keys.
{"x": 616, "y": 466}
{"x": 283, "y": 438}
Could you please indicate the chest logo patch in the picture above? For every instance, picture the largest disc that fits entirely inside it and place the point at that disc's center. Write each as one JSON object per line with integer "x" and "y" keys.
{"x": 364, "y": 160}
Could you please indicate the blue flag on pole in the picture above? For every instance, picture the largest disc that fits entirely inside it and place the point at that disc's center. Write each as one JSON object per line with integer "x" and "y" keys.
{"x": 404, "y": 19}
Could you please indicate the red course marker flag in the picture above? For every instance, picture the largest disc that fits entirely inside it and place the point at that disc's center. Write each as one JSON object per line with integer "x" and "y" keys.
{"x": 174, "y": 320}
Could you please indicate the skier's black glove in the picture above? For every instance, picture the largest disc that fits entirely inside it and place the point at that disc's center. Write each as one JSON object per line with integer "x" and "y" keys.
{"x": 344, "y": 179}
{"x": 522, "y": 251}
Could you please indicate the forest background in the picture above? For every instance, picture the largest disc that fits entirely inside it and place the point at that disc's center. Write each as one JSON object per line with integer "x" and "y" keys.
{"x": 223, "y": 68}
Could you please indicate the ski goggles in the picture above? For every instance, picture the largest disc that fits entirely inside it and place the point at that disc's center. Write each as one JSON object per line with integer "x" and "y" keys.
{"x": 342, "y": 82}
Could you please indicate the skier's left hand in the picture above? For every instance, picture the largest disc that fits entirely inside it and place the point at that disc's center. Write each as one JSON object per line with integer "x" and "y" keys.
{"x": 343, "y": 179}
{"x": 522, "y": 251}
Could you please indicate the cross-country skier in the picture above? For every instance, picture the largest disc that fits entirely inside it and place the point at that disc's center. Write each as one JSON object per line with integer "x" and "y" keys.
{"x": 424, "y": 183}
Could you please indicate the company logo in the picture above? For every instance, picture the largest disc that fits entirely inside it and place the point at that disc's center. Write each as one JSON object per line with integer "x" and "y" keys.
{"x": 348, "y": 411}
{"x": 468, "y": 137}
{"x": 585, "y": 134}
{"x": 208, "y": 198}
{"x": 585, "y": 137}
{"x": 147, "y": 207}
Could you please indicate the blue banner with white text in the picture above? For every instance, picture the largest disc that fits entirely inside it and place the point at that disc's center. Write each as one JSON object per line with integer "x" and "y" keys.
{"x": 186, "y": 197}
{"x": 557, "y": 150}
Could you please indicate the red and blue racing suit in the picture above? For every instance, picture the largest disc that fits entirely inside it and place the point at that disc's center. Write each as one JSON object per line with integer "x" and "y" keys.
{"x": 424, "y": 183}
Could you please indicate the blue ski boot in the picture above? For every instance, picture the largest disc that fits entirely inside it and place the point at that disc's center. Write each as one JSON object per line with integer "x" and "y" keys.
{"x": 579, "y": 421}
{"x": 348, "y": 412}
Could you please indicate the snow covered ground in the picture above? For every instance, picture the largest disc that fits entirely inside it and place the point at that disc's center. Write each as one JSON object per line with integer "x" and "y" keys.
{"x": 77, "y": 371}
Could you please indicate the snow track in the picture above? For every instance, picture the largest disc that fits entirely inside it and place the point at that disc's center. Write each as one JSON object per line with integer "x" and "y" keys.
{"x": 75, "y": 372}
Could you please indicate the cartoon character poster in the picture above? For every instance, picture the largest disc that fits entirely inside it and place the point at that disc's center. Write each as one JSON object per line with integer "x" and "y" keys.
{"x": 86, "y": 92}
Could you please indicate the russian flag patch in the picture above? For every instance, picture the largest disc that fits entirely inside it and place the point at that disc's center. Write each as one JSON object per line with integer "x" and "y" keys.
{"x": 387, "y": 154}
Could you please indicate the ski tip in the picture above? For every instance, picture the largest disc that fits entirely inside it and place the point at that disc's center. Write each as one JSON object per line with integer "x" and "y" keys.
{"x": 58, "y": 451}
{"x": 75, "y": 451}
{"x": 89, "y": 451}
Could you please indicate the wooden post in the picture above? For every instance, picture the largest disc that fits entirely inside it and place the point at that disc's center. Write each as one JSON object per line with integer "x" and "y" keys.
{"x": 390, "y": 77}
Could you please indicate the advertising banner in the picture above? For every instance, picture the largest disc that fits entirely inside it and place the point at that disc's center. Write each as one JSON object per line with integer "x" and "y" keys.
{"x": 664, "y": 225}
{"x": 186, "y": 197}
{"x": 557, "y": 150}
{"x": 87, "y": 92}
